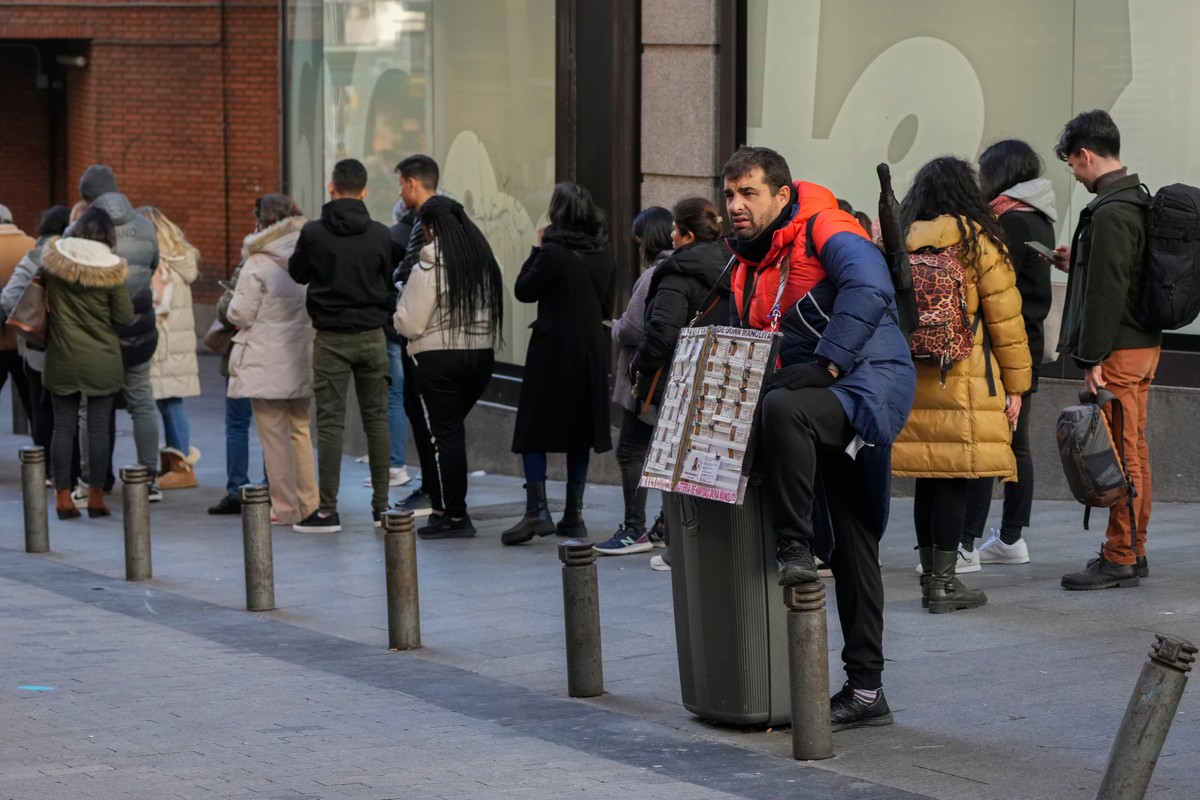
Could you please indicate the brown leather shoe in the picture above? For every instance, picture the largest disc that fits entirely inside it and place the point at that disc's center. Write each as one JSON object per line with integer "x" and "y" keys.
{"x": 64, "y": 506}
{"x": 95, "y": 505}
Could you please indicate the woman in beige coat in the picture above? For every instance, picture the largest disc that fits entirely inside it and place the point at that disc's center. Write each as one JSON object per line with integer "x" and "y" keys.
{"x": 960, "y": 427}
{"x": 271, "y": 360}
{"x": 174, "y": 373}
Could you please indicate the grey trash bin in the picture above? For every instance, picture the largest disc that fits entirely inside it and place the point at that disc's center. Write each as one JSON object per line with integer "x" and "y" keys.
{"x": 730, "y": 621}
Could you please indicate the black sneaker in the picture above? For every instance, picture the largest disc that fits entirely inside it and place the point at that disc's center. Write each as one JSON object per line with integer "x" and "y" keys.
{"x": 1100, "y": 573}
{"x": 318, "y": 523}
{"x": 846, "y": 711}
{"x": 796, "y": 563}
{"x": 419, "y": 499}
{"x": 229, "y": 504}
{"x": 446, "y": 528}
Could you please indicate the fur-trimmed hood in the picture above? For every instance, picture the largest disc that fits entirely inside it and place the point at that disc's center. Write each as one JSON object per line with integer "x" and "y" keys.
{"x": 259, "y": 241}
{"x": 82, "y": 261}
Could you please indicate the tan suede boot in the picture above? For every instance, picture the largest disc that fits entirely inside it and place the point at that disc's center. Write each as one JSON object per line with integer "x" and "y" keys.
{"x": 177, "y": 472}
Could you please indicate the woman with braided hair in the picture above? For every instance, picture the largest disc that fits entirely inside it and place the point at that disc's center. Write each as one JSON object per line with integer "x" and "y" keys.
{"x": 451, "y": 312}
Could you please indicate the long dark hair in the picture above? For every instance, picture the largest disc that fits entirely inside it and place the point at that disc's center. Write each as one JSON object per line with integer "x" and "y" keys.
{"x": 1005, "y": 164}
{"x": 472, "y": 273}
{"x": 948, "y": 185}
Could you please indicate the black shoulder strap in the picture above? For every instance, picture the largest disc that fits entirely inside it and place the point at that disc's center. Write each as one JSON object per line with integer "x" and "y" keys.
{"x": 712, "y": 298}
{"x": 810, "y": 246}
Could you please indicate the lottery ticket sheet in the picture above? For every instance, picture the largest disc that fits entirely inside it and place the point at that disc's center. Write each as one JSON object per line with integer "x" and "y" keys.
{"x": 703, "y": 439}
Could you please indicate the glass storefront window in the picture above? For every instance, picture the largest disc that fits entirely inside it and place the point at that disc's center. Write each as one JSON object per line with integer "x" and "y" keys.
{"x": 469, "y": 82}
{"x": 839, "y": 87}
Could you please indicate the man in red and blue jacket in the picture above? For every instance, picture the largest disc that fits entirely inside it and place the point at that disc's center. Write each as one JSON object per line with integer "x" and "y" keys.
{"x": 836, "y": 402}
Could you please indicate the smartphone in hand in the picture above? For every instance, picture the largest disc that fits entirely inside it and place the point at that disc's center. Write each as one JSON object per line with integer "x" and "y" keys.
{"x": 1043, "y": 251}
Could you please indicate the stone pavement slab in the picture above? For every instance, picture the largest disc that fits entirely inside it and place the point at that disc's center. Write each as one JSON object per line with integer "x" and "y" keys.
{"x": 1018, "y": 699}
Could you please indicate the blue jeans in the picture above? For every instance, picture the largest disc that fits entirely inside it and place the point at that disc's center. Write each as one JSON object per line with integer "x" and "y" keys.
{"x": 175, "y": 423}
{"x": 534, "y": 465}
{"x": 238, "y": 414}
{"x": 397, "y": 419}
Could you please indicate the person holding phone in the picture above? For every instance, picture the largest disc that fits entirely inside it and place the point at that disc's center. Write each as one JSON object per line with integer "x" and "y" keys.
{"x": 1010, "y": 174}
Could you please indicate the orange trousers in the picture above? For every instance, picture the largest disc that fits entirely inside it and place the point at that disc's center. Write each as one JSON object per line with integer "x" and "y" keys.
{"x": 1128, "y": 375}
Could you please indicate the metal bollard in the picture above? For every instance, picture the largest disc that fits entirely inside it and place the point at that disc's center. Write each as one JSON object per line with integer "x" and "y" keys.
{"x": 256, "y": 547}
{"x": 808, "y": 665}
{"x": 581, "y": 616}
{"x": 33, "y": 493}
{"x": 1147, "y": 719}
{"x": 400, "y": 560}
{"x": 135, "y": 501}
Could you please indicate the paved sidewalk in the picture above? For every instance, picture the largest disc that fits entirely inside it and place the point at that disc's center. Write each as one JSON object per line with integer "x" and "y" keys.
{"x": 169, "y": 688}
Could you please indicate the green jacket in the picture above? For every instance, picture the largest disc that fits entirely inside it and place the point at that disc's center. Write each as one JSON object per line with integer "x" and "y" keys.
{"x": 1106, "y": 274}
{"x": 88, "y": 302}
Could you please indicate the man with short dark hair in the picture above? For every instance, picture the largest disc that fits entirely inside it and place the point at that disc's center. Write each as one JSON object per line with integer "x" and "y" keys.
{"x": 1104, "y": 263}
{"x": 418, "y": 176}
{"x": 832, "y": 409}
{"x": 346, "y": 259}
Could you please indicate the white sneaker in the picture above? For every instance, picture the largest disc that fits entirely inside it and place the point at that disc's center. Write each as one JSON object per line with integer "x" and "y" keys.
{"x": 994, "y": 551}
{"x": 967, "y": 562}
{"x": 659, "y": 565}
{"x": 397, "y": 476}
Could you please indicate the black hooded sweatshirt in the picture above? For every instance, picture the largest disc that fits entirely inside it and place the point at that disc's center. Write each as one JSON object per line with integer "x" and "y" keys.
{"x": 346, "y": 259}
{"x": 693, "y": 276}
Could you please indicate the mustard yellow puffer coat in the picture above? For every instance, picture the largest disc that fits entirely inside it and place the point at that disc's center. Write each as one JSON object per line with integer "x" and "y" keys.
{"x": 958, "y": 430}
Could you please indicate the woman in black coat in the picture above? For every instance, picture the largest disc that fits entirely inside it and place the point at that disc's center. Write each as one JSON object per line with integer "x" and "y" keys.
{"x": 692, "y": 281}
{"x": 563, "y": 408}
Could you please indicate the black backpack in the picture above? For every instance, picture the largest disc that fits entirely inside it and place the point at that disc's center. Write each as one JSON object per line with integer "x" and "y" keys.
{"x": 1169, "y": 297}
{"x": 1092, "y": 460}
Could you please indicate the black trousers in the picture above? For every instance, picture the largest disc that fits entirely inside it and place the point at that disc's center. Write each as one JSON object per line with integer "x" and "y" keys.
{"x": 1018, "y": 496}
{"x": 66, "y": 425}
{"x": 632, "y": 444}
{"x": 946, "y": 509}
{"x": 11, "y": 364}
{"x": 449, "y": 383}
{"x": 416, "y": 420}
{"x": 808, "y": 435}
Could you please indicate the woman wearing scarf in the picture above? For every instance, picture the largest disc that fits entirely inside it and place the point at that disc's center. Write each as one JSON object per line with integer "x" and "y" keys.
{"x": 563, "y": 408}
{"x": 1011, "y": 176}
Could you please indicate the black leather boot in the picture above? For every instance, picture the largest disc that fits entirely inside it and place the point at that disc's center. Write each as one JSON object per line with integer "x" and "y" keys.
{"x": 536, "y": 522}
{"x": 946, "y": 592}
{"x": 926, "y": 554}
{"x": 571, "y": 523}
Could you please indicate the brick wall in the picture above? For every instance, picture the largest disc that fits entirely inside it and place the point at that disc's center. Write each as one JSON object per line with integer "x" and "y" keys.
{"x": 181, "y": 99}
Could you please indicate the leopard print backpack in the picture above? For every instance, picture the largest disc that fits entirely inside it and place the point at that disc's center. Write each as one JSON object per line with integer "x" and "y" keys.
{"x": 944, "y": 332}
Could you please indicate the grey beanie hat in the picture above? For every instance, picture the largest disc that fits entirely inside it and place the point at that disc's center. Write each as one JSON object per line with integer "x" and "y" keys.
{"x": 97, "y": 179}
{"x": 5, "y": 215}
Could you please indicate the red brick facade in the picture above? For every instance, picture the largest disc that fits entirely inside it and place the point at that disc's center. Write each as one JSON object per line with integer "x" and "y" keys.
{"x": 180, "y": 98}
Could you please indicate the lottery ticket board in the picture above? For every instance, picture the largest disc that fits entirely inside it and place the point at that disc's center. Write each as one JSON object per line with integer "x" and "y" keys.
{"x": 702, "y": 440}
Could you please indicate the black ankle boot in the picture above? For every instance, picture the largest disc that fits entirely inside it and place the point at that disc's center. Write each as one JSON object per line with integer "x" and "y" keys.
{"x": 571, "y": 523}
{"x": 946, "y": 592}
{"x": 926, "y": 554}
{"x": 536, "y": 521}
